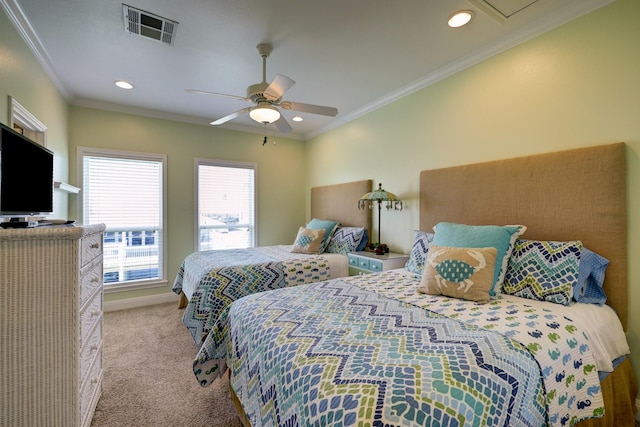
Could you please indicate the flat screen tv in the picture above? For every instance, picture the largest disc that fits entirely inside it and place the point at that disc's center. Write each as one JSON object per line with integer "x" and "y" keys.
{"x": 26, "y": 176}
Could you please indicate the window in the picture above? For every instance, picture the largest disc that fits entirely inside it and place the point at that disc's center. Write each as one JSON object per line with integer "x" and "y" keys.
{"x": 126, "y": 192}
{"x": 226, "y": 208}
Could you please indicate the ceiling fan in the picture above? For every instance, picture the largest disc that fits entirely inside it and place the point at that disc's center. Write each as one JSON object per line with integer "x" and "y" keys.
{"x": 268, "y": 96}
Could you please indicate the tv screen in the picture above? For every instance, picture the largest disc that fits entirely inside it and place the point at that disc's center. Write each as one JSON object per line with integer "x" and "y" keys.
{"x": 26, "y": 175}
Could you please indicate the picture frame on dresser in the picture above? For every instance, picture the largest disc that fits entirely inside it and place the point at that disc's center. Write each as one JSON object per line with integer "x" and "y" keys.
{"x": 51, "y": 322}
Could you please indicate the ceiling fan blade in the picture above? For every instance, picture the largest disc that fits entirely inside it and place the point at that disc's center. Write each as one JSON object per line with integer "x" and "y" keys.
{"x": 278, "y": 87}
{"x": 309, "y": 108}
{"x": 204, "y": 92}
{"x": 231, "y": 116}
{"x": 282, "y": 125}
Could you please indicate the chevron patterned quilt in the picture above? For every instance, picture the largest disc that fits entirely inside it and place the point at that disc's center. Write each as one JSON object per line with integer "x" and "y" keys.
{"x": 212, "y": 280}
{"x": 369, "y": 350}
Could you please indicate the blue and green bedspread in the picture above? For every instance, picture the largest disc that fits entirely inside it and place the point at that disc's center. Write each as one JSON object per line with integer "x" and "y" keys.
{"x": 368, "y": 350}
{"x": 212, "y": 280}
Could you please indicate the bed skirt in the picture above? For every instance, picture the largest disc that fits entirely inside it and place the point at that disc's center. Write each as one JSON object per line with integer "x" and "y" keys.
{"x": 619, "y": 390}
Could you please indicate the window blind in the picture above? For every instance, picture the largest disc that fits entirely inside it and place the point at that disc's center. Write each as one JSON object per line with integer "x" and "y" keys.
{"x": 226, "y": 205}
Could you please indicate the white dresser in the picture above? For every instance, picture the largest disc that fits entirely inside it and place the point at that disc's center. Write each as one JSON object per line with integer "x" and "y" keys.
{"x": 50, "y": 325}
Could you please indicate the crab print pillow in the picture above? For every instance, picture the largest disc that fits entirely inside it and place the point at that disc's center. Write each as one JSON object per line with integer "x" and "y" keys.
{"x": 465, "y": 273}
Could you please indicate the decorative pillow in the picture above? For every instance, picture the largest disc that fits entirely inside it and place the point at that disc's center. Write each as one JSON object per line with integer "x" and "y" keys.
{"x": 363, "y": 243}
{"x": 329, "y": 228}
{"x": 543, "y": 270}
{"x": 591, "y": 278}
{"x": 345, "y": 239}
{"x": 465, "y": 273}
{"x": 481, "y": 236}
{"x": 421, "y": 242}
{"x": 308, "y": 241}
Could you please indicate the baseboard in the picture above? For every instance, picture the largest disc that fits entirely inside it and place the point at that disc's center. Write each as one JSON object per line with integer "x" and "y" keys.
{"x": 124, "y": 304}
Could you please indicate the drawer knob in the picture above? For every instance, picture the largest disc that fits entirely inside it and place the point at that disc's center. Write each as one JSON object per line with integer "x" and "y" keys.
{"x": 95, "y": 246}
{"x": 94, "y": 347}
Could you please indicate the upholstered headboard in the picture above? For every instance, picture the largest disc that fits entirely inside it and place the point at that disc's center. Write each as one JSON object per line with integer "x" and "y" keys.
{"x": 339, "y": 202}
{"x": 576, "y": 194}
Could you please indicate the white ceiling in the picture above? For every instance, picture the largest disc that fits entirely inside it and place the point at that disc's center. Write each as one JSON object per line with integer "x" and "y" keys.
{"x": 355, "y": 55}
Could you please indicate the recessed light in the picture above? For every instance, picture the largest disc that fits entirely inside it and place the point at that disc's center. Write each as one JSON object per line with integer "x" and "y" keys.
{"x": 297, "y": 119}
{"x": 461, "y": 18}
{"x": 123, "y": 84}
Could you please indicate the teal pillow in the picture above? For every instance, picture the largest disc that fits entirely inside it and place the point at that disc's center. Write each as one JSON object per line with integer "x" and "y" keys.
{"x": 329, "y": 228}
{"x": 481, "y": 236}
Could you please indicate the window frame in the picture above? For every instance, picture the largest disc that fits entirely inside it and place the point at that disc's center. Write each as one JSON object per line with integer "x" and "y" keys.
{"x": 198, "y": 161}
{"x": 130, "y": 155}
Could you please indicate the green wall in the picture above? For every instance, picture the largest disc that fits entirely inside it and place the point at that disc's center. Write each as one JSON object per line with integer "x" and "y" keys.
{"x": 575, "y": 86}
{"x": 22, "y": 78}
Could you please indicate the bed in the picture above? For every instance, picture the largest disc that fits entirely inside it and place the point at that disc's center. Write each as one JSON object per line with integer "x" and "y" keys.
{"x": 371, "y": 350}
{"x": 208, "y": 281}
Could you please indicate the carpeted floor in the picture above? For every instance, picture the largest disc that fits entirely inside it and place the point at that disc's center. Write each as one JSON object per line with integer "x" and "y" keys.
{"x": 148, "y": 379}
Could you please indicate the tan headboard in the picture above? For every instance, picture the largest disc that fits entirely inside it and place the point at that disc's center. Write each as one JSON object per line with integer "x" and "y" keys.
{"x": 576, "y": 194}
{"x": 339, "y": 202}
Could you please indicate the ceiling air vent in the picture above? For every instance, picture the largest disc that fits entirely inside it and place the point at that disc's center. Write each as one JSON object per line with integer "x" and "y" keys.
{"x": 502, "y": 10}
{"x": 148, "y": 25}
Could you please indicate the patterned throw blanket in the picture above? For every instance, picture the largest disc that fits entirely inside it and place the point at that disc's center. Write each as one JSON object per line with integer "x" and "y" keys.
{"x": 217, "y": 278}
{"x": 335, "y": 350}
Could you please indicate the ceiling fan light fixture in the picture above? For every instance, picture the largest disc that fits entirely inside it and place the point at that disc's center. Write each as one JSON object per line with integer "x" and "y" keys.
{"x": 264, "y": 114}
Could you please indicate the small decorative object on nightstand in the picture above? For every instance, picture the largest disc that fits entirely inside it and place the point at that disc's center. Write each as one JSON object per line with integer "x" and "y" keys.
{"x": 365, "y": 262}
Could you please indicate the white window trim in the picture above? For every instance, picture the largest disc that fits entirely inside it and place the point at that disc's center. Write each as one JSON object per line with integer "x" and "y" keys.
{"x": 222, "y": 163}
{"x": 91, "y": 151}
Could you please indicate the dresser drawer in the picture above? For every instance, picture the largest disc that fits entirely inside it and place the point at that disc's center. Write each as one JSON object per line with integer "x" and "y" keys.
{"x": 89, "y": 317}
{"x": 90, "y": 350}
{"x": 359, "y": 262}
{"x": 375, "y": 265}
{"x": 91, "y": 248}
{"x": 353, "y": 260}
{"x": 90, "y": 391}
{"x": 90, "y": 281}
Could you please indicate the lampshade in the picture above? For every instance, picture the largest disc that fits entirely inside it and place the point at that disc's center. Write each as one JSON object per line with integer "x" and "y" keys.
{"x": 380, "y": 195}
{"x": 264, "y": 114}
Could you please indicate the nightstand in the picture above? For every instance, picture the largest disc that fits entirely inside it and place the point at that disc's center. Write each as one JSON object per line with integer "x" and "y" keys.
{"x": 364, "y": 262}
